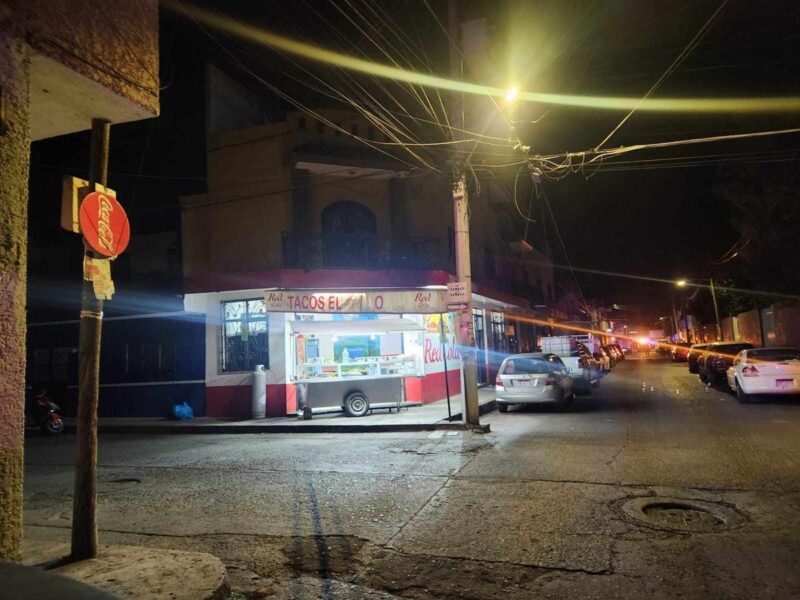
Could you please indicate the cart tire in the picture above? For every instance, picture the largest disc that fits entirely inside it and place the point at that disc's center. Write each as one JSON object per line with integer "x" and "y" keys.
{"x": 356, "y": 404}
{"x": 502, "y": 407}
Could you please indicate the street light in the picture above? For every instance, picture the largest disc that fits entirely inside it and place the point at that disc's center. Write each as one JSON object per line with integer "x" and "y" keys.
{"x": 684, "y": 282}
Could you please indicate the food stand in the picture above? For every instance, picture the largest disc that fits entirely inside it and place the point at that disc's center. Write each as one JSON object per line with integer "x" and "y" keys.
{"x": 353, "y": 365}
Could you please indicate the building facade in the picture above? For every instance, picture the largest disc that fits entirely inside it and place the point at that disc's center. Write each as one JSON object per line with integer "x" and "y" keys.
{"x": 294, "y": 206}
{"x": 53, "y": 83}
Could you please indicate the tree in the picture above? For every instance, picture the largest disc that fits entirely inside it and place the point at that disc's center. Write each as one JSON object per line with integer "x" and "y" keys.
{"x": 765, "y": 210}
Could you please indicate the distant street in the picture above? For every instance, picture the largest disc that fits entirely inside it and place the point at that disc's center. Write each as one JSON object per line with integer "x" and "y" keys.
{"x": 538, "y": 508}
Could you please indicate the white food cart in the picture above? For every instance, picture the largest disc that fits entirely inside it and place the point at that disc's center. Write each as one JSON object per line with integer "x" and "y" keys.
{"x": 354, "y": 366}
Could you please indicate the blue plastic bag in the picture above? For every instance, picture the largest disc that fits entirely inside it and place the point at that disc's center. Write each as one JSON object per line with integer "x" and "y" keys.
{"x": 183, "y": 412}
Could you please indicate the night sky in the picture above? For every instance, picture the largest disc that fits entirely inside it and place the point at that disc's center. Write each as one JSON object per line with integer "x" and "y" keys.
{"x": 662, "y": 223}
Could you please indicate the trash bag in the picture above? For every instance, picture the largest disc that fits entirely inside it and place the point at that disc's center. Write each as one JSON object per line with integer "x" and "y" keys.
{"x": 183, "y": 412}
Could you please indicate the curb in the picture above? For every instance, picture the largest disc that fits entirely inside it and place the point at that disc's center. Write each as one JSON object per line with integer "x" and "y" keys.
{"x": 252, "y": 429}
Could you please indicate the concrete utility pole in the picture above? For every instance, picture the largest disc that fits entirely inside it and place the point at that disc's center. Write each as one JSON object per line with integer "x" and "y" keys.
{"x": 465, "y": 330}
{"x": 84, "y": 506}
{"x": 716, "y": 309}
{"x": 675, "y": 318}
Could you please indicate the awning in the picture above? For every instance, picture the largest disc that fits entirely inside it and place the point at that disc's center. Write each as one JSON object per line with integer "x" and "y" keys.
{"x": 365, "y": 327}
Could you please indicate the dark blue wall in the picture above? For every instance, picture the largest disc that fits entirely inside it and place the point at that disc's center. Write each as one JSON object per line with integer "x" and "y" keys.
{"x": 145, "y": 363}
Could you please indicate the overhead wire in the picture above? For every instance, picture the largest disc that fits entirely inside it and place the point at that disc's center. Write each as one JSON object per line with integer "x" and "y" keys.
{"x": 301, "y": 106}
{"x": 674, "y": 65}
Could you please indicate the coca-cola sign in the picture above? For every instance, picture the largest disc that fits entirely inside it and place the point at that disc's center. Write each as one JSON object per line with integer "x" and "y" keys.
{"x": 104, "y": 224}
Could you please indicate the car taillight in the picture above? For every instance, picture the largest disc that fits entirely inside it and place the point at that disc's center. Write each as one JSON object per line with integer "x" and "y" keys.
{"x": 551, "y": 380}
{"x": 749, "y": 371}
{"x": 498, "y": 383}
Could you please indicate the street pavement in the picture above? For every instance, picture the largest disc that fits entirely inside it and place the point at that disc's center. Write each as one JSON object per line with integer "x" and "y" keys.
{"x": 547, "y": 505}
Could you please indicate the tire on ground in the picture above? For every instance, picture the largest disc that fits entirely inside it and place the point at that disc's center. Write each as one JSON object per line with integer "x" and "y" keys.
{"x": 741, "y": 396}
{"x": 356, "y": 404}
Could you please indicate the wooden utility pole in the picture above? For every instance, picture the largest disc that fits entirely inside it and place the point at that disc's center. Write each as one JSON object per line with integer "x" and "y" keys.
{"x": 465, "y": 331}
{"x": 84, "y": 506}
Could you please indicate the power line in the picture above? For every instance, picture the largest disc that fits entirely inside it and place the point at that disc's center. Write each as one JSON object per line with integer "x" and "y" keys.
{"x": 675, "y": 63}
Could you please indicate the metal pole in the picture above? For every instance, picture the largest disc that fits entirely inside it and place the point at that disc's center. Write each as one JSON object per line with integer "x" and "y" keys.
{"x": 446, "y": 374}
{"x": 716, "y": 309}
{"x": 465, "y": 330}
{"x": 84, "y": 505}
{"x": 675, "y": 318}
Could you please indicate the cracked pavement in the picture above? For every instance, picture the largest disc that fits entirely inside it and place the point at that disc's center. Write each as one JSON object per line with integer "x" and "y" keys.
{"x": 529, "y": 510}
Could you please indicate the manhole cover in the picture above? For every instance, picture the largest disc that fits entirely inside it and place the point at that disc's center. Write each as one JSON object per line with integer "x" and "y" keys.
{"x": 681, "y": 514}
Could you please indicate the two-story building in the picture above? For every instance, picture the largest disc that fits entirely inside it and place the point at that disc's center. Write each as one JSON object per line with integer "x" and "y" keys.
{"x": 295, "y": 209}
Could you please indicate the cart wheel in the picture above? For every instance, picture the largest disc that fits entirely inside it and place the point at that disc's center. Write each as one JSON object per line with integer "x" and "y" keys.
{"x": 356, "y": 404}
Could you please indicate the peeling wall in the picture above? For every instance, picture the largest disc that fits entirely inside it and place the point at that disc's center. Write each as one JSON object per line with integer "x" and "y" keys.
{"x": 14, "y": 149}
{"x": 114, "y": 42}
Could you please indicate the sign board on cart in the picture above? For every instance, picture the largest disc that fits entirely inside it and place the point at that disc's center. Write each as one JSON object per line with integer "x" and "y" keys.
{"x": 392, "y": 302}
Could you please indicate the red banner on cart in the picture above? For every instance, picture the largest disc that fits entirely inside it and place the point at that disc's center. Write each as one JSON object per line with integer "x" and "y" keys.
{"x": 394, "y": 302}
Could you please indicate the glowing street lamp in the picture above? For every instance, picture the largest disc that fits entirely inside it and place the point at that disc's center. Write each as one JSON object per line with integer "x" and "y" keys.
{"x": 684, "y": 282}
{"x": 512, "y": 94}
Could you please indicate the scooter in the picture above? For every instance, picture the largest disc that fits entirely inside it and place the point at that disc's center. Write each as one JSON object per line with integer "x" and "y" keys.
{"x": 45, "y": 414}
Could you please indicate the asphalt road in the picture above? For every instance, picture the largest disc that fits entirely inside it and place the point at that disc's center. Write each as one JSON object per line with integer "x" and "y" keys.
{"x": 655, "y": 486}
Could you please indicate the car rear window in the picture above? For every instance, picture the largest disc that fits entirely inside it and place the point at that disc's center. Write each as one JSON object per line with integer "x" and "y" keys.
{"x": 774, "y": 354}
{"x": 526, "y": 366}
{"x": 731, "y": 348}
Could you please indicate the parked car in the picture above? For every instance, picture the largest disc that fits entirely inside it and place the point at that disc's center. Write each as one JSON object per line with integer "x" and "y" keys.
{"x": 764, "y": 371}
{"x": 713, "y": 364}
{"x": 695, "y": 352}
{"x": 616, "y": 355}
{"x": 591, "y": 363}
{"x": 603, "y": 361}
{"x": 533, "y": 378}
{"x": 680, "y": 351}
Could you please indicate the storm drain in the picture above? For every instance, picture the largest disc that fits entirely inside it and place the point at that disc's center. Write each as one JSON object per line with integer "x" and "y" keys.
{"x": 681, "y": 514}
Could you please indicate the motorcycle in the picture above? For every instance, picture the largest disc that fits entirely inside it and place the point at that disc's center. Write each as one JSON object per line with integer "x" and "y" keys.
{"x": 45, "y": 415}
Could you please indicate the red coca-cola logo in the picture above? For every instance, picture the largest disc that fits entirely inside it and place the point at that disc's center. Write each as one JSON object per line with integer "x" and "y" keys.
{"x": 104, "y": 224}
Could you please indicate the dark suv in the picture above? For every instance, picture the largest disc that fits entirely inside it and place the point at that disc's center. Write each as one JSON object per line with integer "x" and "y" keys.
{"x": 680, "y": 351}
{"x": 695, "y": 352}
{"x": 716, "y": 360}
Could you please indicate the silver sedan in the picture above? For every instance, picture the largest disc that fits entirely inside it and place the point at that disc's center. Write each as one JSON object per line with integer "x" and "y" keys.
{"x": 532, "y": 379}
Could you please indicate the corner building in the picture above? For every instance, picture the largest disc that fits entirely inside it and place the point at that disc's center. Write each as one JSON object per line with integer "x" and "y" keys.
{"x": 323, "y": 260}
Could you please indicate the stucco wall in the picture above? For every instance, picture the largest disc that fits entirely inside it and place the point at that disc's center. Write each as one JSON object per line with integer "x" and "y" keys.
{"x": 238, "y": 226}
{"x": 787, "y": 326}
{"x": 14, "y": 149}
{"x": 114, "y": 42}
{"x": 750, "y": 327}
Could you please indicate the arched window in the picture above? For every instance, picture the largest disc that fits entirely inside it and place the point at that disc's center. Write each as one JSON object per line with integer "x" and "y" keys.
{"x": 349, "y": 234}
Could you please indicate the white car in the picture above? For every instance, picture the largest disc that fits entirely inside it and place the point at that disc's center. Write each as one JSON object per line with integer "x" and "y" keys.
{"x": 531, "y": 379}
{"x": 765, "y": 371}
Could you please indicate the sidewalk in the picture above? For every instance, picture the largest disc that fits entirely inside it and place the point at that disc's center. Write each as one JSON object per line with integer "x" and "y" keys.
{"x": 426, "y": 417}
{"x": 119, "y": 571}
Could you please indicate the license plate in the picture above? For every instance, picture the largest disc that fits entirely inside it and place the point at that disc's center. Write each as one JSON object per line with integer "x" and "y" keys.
{"x": 521, "y": 383}
{"x": 784, "y": 383}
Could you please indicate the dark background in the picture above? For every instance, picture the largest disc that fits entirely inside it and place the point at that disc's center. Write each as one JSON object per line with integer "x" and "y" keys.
{"x": 658, "y": 223}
